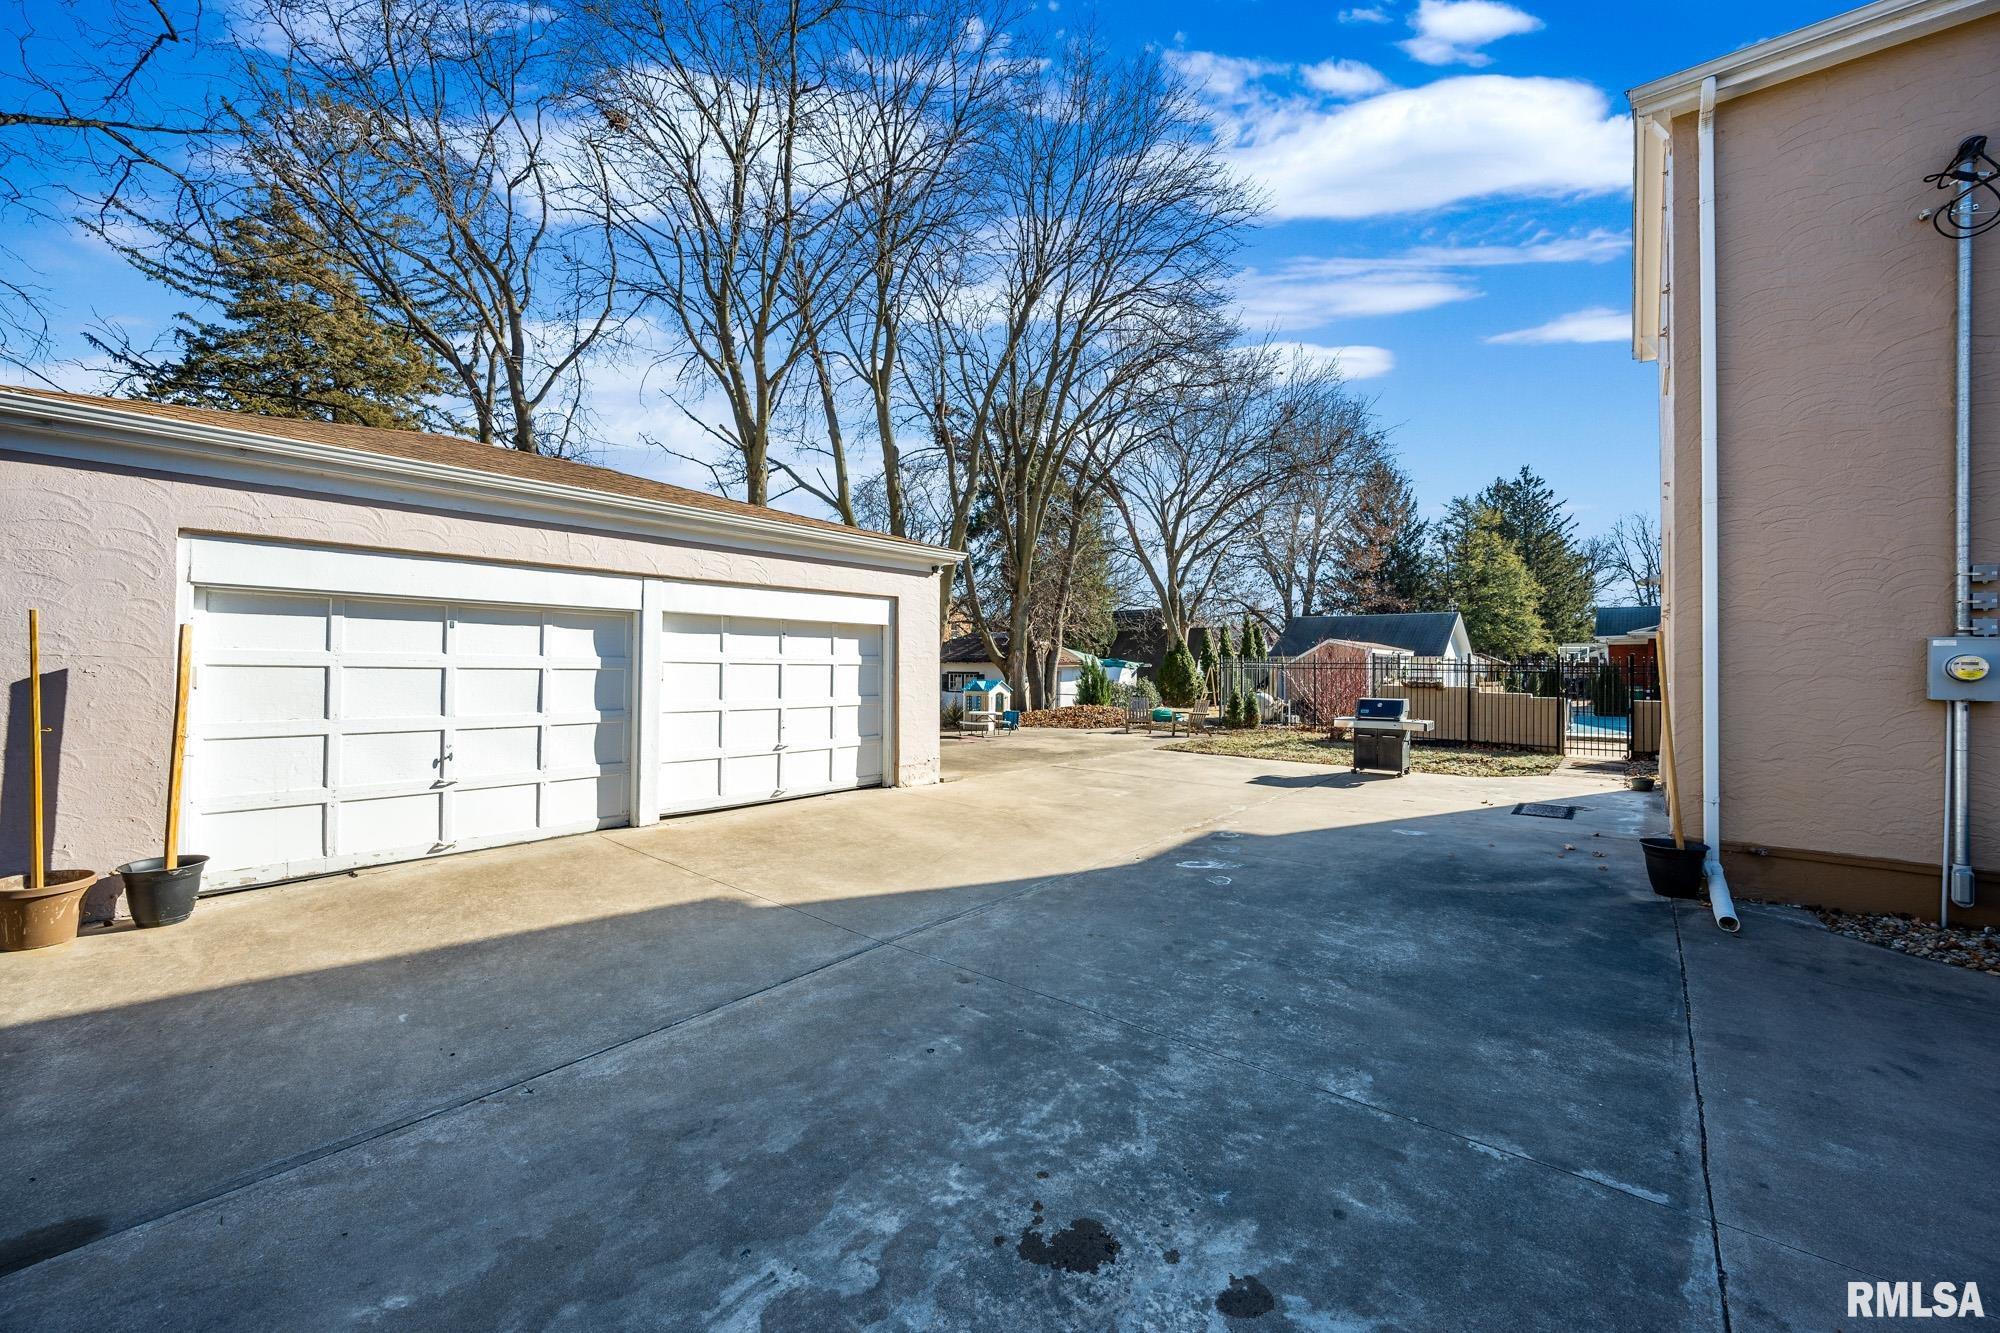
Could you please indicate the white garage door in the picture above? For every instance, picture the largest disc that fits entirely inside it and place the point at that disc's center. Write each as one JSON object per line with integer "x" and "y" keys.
{"x": 330, "y": 732}
{"x": 757, "y": 709}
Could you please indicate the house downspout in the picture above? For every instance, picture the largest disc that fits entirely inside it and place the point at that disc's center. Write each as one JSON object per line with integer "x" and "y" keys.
{"x": 1958, "y": 878}
{"x": 1719, "y": 901}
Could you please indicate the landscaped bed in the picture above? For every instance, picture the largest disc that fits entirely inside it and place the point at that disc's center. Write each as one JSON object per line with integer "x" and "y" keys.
{"x": 1976, "y": 947}
{"x": 1313, "y": 747}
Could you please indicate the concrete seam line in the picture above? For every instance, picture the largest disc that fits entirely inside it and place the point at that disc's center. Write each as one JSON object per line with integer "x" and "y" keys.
{"x": 1701, "y": 1126}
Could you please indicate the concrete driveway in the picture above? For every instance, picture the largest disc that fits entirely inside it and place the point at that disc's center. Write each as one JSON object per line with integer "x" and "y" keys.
{"x": 1091, "y": 1035}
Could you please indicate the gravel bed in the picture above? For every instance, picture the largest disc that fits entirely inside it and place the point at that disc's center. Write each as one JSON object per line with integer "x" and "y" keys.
{"x": 1976, "y": 947}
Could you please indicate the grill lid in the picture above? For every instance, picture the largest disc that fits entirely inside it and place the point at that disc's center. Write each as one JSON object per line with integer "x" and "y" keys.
{"x": 1381, "y": 710}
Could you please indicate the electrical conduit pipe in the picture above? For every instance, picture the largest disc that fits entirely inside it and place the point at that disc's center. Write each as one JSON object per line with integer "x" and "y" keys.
{"x": 1719, "y": 901}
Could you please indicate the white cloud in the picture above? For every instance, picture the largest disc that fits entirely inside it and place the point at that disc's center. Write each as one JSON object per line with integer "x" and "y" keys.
{"x": 1344, "y": 78}
{"x": 1356, "y": 362}
{"x": 1416, "y": 149}
{"x": 1599, "y": 324}
{"x": 1223, "y": 78}
{"x": 1450, "y": 32}
{"x": 1309, "y": 292}
{"x": 1365, "y": 14}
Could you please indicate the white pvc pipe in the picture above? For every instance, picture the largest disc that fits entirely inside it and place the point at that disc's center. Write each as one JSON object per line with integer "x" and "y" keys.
{"x": 1719, "y": 901}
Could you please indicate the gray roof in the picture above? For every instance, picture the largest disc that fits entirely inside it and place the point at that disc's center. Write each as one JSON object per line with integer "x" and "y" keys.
{"x": 1424, "y": 633}
{"x": 1616, "y": 620}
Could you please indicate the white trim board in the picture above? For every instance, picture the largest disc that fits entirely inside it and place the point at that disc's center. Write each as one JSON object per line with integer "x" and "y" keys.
{"x": 723, "y": 599}
{"x": 228, "y": 562}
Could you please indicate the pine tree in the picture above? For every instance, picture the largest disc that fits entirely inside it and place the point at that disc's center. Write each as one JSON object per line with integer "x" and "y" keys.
{"x": 1179, "y": 677}
{"x": 1381, "y": 562}
{"x": 1224, "y": 647}
{"x": 295, "y": 338}
{"x": 1489, "y": 583}
{"x": 1532, "y": 518}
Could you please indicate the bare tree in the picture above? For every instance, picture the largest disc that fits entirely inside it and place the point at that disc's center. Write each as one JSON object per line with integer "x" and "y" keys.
{"x": 96, "y": 103}
{"x": 731, "y": 195}
{"x": 432, "y": 149}
{"x": 1111, "y": 239}
{"x": 1627, "y": 559}
{"x": 1240, "y": 433}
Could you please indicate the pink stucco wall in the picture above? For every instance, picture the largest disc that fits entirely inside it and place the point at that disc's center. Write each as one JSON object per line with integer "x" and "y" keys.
{"x": 94, "y": 548}
{"x": 1835, "y": 447}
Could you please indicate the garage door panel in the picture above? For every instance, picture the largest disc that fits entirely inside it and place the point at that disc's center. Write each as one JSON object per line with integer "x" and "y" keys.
{"x": 798, "y": 710}
{"x": 683, "y": 733}
{"x": 388, "y": 758}
{"x": 753, "y": 775}
{"x": 376, "y": 693}
{"x": 499, "y": 691}
{"x": 750, "y": 681}
{"x": 334, "y": 731}
{"x": 487, "y": 752}
{"x": 263, "y": 694}
{"x": 750, "y": 729}
{"x": 586, "y": 744}
{"x": 491, "y": 812}
{"x": 808, "y": 681}
{"x": 391, "y": 824}
{"x": 691, "y": 782}
{"x": 582, "y": 801}
{"x": 249, "y": 765}
{"x": 392, "y": 627}
{"x": 691, "y": 682}
{"x": 584, "y": 690}
{"x": 496, "y": 631}
{"x": 256, "y": 621}
{"x": 808, "y": 726}
{"x": 752, "y": 638}
{"x": 581, "y": 635}
{"x": 805, "y": 770}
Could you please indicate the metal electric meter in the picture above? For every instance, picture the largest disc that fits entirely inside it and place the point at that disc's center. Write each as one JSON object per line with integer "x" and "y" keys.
{"x": 1965, "y": 668}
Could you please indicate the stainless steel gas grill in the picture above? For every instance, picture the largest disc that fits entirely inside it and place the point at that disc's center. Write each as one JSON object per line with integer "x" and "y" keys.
{"x": 1382, "y": 729}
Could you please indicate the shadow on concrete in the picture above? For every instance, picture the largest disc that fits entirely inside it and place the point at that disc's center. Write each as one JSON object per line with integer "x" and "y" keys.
{"x": 16, "y": 770}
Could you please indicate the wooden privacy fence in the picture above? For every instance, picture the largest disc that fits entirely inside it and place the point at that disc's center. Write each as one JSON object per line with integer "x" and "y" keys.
{"x": 1484, "y": 717}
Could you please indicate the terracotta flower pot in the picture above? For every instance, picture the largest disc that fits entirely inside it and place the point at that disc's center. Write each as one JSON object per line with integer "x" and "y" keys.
{"x": 37, "y": 918}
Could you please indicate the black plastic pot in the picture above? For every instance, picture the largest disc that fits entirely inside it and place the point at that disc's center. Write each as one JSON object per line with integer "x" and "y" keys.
{"x": 158, "y": 896}
{"x": 1674, "y": 871}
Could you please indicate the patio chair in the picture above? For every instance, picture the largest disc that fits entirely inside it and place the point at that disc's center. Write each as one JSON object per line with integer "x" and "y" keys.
{"x": 1010, "y": 720}
{"x": 1138, "y": 711}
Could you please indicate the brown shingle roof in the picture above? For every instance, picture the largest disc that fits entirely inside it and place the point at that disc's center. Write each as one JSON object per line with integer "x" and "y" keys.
{"x": 451, "y": 451}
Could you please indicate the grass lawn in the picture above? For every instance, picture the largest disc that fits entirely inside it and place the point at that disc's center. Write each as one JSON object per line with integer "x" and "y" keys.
{"x": 1311, "y": 747}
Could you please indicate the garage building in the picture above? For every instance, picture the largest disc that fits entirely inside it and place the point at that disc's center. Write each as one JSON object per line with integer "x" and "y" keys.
{"x": 409, "y": 645}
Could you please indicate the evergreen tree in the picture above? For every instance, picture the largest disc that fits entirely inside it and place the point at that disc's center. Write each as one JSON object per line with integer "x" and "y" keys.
{"x": 1224, "y": 647}
{"x": 1381, "y": 562}
{"x": 295, "y": 338}
{"x": 1254, "y": 649}
{"x": 1534, "y": 521}
{"x": 1179, "y": 677}
{"x": 1486, "y": 579}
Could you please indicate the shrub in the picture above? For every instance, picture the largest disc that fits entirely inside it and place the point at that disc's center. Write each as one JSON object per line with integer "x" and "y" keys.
{"x": 952, "y": 716}
{"x": 1253, "y": 712}
{"x": 1232, "y": 709}
{"x": 1207, "y": 658}
{"x": 1093, "y": 685}
{"x": 1146, "y": 690}
{"x": 1180, "y": 677}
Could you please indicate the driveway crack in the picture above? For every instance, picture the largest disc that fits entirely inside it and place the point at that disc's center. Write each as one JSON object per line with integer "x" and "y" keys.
{"x": 1701, "y": 1124}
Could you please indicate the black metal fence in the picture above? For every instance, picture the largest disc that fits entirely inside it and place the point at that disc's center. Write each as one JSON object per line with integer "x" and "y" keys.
{"x": 1591, "y": 709}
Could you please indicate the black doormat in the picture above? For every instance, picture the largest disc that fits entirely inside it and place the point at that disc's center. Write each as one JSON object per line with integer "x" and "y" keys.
{"x": 1545, "y": 811}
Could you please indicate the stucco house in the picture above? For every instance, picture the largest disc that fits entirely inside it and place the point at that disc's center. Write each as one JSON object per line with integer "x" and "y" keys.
{"x": 1791, "y": 284}
{"x": 408, "y": 645}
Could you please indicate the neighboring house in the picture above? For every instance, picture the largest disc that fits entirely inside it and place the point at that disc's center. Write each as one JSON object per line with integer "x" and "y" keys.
{"x": 1627, "y": 633}
{"x": 1141, "y": 638}
{"x": 965, "y": 659}
{"x": 1439, "y": 634}
{"x": 411, "y": 644}
{"x": 1324, "y": 682}
{"x": 1801, "y": 312}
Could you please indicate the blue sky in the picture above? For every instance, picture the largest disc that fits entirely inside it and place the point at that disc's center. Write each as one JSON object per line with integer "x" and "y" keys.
{"x": 1449, "y": 205}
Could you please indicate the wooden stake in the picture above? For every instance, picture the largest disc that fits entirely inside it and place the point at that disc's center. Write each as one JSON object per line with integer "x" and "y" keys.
{"x": 182, "y": 672}
{"x": 39, "y": 855}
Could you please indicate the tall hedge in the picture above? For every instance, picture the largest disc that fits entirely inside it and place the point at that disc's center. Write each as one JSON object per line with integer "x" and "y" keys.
{"x": 1180, "y": 677}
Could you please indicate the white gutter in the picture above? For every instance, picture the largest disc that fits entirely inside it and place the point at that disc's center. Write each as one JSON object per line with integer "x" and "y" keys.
{"x": 83, "y": 429}
{"x": 1719, "y": 901}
